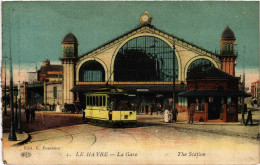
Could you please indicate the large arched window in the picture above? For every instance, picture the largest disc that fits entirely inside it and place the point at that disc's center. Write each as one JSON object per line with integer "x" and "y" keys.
{"x": 145, "y": 59}
{"x": 91, "y": 71}
{"x": 198, "y": 66}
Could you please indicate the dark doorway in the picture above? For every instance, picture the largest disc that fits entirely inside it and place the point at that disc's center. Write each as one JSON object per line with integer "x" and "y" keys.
{"x": 214, "y": 109}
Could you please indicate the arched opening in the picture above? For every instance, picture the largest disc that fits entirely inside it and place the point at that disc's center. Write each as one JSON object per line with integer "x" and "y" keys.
{"x": 198, "y": 66}
{"x": 145, "y": 58}
{"x": 92, "y": 71}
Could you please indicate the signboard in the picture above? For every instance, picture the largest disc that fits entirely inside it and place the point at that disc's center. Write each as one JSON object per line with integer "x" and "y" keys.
{"x": 142, "y": 90}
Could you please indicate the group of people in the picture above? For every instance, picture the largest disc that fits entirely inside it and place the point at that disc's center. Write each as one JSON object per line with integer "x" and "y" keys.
{"x": 168, "y": 115}
{"x": 153, "y": 108}
{"x": 30, "y": 113}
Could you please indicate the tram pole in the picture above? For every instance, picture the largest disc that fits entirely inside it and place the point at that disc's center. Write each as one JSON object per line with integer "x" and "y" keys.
{"x": 5, "y": 109}
{"x": 174, "y": 118}
{"x": 243, "y": 101}
{"x": 20, "y": 110}
{"x": 12, "y": 135}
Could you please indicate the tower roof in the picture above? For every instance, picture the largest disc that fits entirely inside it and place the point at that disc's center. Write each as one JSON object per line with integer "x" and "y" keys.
{"x": 70, "y": 38}
{"x": 228, "y": 34}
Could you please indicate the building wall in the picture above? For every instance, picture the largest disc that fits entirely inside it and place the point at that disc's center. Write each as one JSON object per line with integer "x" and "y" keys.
{"x": 50, "y": 94}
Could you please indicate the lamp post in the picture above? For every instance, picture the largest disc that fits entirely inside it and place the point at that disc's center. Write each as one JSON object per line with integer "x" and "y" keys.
{"x": 16, "y": 114}
{"x": 243, "y": 101}
{"x": 20, "y": 111}
{"x": 174, "y": 118}
{"x": 5, "y": 110}
{"x": 12, "y": 135}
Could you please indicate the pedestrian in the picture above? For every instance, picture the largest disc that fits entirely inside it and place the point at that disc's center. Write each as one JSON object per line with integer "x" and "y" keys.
{"x": 33, "y": 114}
{"x": 27, "y": 112}
{"x": 249, "y": 117}
{"x": 146, "y": 109}
{"x": 175, "y": 115}
{"x": 152, "y": 108}
{"x": 166, "y": 115}
{"x": 192, "y": 111}
{"x": 158, "y": 109}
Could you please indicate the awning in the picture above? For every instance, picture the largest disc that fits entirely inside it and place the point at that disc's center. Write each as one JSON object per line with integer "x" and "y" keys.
{"x": 214, "y": 93}
{"x": 129, "y": 88}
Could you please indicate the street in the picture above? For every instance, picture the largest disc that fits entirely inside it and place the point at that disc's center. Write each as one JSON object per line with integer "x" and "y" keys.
{"x": 148, "y": 143}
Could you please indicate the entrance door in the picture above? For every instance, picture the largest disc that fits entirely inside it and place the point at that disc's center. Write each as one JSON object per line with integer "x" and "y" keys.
{"x": 214, "y": 109}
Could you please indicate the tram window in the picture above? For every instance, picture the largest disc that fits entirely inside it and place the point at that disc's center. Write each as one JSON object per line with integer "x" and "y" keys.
{"x": 104, "y": 100}
{"x": 96, "y": 101}
{"x": 87, "y": 100}
{"x": 99, "y": 101}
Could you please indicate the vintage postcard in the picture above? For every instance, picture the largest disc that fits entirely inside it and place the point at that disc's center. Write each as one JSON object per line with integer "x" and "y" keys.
{"x": 150, "y": 82}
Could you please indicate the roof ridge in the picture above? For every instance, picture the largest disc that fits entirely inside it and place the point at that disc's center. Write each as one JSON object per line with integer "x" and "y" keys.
{"x": 139, "y": 27}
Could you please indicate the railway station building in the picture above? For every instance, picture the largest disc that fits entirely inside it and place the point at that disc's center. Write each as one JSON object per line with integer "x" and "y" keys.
{"x": 144, "y": 61}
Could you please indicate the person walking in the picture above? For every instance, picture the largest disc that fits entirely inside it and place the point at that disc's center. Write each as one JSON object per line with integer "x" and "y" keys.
{"x": 27, "y": 113}
{"x": 33, "y": 114}
{"x": 146, "y": 109}
{"x": 175, "y": 115}
{"x": 152, "y": 108}
{"x": 249, "y": 117}
{"x": 192, "y": 111}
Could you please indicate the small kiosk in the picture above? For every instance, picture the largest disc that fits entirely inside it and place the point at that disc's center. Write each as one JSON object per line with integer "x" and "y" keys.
{"x": 215, "y": 94}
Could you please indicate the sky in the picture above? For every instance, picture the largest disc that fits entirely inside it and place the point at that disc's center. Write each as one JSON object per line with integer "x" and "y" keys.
{"x": 35, "y": 29}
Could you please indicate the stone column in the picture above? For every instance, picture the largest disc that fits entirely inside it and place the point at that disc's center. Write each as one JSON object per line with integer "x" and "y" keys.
{"x": 71, "y": 83}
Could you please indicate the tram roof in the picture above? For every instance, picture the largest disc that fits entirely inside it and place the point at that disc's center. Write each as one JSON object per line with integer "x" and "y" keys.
{"x": 109, "y": 91}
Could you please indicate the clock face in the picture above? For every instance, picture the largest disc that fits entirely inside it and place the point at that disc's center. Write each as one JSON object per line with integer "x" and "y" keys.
{"x": 145, "y": 18}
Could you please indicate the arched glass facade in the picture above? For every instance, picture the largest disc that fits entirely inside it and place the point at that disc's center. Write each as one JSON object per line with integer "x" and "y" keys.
{"x": 91, "y": 71}
{"x": 199, "y": 65}
{"x": 145, "y": 59}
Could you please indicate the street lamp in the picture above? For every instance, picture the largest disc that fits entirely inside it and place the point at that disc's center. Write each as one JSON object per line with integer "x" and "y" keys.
{"x": 243, "y": 101}
{"x": 12, "y": 135}
{"x": 20, "y": 111}
{"x": 16, "y": 115}
{"x": 5, "y": 110}
{"x": 174, "y": 117}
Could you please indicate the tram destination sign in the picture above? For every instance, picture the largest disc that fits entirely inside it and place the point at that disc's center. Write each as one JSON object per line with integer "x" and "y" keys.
{"x": 142, "y": 90}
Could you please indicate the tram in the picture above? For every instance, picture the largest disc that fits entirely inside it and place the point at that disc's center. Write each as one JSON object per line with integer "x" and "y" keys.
{"x": 109, "y": 105}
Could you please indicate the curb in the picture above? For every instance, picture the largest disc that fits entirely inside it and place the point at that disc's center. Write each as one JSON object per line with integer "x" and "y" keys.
{"x": 24, "y": 141}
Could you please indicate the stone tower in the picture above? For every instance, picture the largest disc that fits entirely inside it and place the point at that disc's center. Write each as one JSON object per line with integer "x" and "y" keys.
{"x": 227, "y": 55}
{"x": 69, "y": 57}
